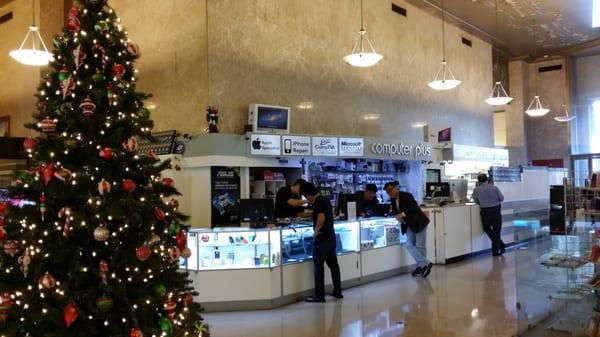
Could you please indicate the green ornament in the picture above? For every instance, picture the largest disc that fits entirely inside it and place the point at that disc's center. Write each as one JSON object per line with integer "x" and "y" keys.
{"x": 104, "y": 303}
{"x": 57, "y": 42}
{"x": 166, "y": 326}
{"x": 101, "y": 26}
{"x": 63, "y": 73}
{"x": 98, "y": 77}
{"x": 160, "y": 290}
{"x": 144, "y": 113}
{"x": 174, "y": 228}
{"x": 70, "y": 143}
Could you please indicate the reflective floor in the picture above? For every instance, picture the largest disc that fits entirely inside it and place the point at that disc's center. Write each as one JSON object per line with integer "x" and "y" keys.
{"x": 471, "y": 298}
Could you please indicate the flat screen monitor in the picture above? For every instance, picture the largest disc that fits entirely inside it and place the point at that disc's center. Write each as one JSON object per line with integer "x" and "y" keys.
{"x": 269, "y": 118}
{"x": 342, "y": 203}
{"x": 257, "y": 212}
{"x": 437, "y": 190}
{"x": 433, "y": 175}
{"x": 445, "y": 135}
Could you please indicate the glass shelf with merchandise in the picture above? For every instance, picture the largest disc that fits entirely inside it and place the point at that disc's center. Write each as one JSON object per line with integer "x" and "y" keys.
{"x": 379, "y": 233}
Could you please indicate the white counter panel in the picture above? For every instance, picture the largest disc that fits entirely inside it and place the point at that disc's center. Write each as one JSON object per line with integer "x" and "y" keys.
{"x": 237, "y": 285}
{"x": 457, "y": 230}
{"x": 384, "y": 259}
{"x": 480, "y": 239}
{"x": 298, "y": 277}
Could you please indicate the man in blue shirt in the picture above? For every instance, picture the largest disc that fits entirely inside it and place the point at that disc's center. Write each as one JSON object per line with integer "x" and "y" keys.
{"x": 490, "y": 200}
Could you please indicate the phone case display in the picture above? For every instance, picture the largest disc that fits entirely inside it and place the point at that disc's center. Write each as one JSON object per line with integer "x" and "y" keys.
{"x": 233, "y": 249}
{"x": 297, "y": 241}
{"x": 379, "y": 233}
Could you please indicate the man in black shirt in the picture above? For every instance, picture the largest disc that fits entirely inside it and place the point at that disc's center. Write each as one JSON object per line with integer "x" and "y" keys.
{"x": 366, "y": 201}
{"x": 288, "y": 203}
{"x": 324, "y": 244}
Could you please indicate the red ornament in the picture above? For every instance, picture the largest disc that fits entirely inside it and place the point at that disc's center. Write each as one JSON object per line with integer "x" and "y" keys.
{"x": 29, "y": 144}
{"x": 174, "y": 253}
{"x": 168, "y": 182}
{"x": 130, "y": 144}
{"x": 47, "y": 281}
{"x": 87, "y": 107}
{"x": 65, "y": 213}
{"x": 135, "y": 333}
{"x": 2, "y": 222}
{"x": 71, "y": 314}
{"x": 159, "y": 213}
{"x": 133, "y": 49}
{"x": 104, "y": 271}
{"x": 63, "y": 174}
{"x": 103, "y": 187}
{"x": 106, "y": 153}
{"x": 48, "y": 173}
{"x": 118, "y": 70}
{"x": 3, "y": 207}
{"x": 174, "y": 203}
{"x": 143, "y": 253}
{"x": 67, "y": 85}
{"x": 6, "y": 304}
{"x": 24, "y": 262}
{"x": 181, "y": 239}
{"x": 48, "y": 125}
{"x": 74, "y": 25}
{"x": 129, "y": 185}
{"x": 11, "y": 248}
{"x": 73, "y": 12}
{"x": 188, "y": 299}
{"x": 170, "y": 307}
{"x": 41, "y": 105}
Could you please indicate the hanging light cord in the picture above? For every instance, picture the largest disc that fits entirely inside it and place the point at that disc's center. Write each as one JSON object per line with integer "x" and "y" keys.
{"x": 443, "y": 32}
{"x": 533, "y": 54}
{"x": 361, "y": 16}
{"x": 33, "y": 13}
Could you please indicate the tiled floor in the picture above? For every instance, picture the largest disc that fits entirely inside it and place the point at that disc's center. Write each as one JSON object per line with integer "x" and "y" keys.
{"x": 471, "y": 298}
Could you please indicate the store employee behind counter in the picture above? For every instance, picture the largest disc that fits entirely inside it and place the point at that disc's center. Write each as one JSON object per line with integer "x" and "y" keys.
{"x": 288, "y": 203}
{"x": 367, "y": 203}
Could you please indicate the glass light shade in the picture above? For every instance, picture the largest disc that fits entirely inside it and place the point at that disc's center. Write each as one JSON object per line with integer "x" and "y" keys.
{"x": 498, "y": 96}
{"x": 444, "y": 79}
{"x": 363, "y": 58}
{"x": 33, "y": 56}
{"x": 536, "y": 109}
{"x": 566, "y": 117}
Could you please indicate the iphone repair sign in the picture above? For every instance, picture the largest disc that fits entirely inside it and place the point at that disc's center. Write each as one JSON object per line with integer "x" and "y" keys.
{"x": 295, "y": 146}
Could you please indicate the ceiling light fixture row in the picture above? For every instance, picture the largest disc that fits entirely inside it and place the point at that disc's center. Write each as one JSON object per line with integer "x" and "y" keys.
{"x": 360, "y": 57}
{"x": 33, "y": 56}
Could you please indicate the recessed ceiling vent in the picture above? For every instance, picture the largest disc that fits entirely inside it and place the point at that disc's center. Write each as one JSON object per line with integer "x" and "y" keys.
{"x": 467, "y": 42}
{"x": 6, "y": 17}
{"x": 399, "y": 10}
{"x": 550, "y": 68}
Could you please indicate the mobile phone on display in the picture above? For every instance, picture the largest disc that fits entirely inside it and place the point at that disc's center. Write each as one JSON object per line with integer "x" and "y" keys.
{"x": 287, "y": 146}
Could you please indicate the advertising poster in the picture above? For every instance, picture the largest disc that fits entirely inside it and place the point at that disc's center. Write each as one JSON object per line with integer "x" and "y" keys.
{"x": 325, "y": 146}
{"x": 265, "y": 145}
{"x": 296, "y": 146}
{"x": 225, "y": 196}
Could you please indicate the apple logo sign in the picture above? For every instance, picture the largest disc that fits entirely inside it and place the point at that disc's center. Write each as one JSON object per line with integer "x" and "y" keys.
{"x": 256, "y": 144}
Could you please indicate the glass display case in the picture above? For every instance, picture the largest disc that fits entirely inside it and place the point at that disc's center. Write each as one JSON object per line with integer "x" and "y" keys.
{"x": 233, "y": 248}
{"x": 380, "y": 232}
{"x": 297, "y": 240}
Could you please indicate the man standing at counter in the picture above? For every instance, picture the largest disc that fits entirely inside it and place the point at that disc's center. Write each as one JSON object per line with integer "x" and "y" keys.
{"x": 324, "y": 247}
{"x": 288, "y": 203}
{"x": 413, "y": 223}
{"x": 489, "y": 198}
{"x": 367, "y": 201}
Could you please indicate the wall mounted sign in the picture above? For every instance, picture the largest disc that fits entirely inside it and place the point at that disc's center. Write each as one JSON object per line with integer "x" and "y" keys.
{"x": 325, "y": 146}
{"x": 265, "y": 145}
{"x": 352, "y": 147}
{"x": 398, "y": 150}
{"x": 493, "y": 156}
{"x": 296, "y": 145}
{"x": 225, "y": 196}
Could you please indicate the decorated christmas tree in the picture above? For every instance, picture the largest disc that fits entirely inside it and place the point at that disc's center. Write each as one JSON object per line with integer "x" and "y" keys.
{"x": 93, "y": 247}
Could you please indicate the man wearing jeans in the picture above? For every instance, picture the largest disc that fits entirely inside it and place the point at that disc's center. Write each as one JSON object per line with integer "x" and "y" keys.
{"x": 489, "y": 198}
{"x": 414, "y": 224}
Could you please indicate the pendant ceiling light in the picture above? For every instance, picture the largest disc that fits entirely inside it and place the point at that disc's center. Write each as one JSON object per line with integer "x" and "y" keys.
{"x": 498, "y": 96}
{"x": 444, "y": 78}
{"x": 536, "y": 109}
{"x": 33, "y": 56}
{"x": 359, "y": 57}
{"x": 566, "y": 117}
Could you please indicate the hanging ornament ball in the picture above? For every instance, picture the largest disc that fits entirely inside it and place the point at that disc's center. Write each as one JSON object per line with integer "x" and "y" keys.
{"x": 154, "y": 239}
{"x": 101, "y": 233}
{"x": 143, "y": 253}
{"x": 106, "y": 153}
{"x": 174, "y": 227}
{"x": 47, "y": 281}
{"x": 174, "y": 254}
{"x": 3, "y": 207}
{"x": 170, "y": 306}
{"x": 41, "y": 106}
{"x": 166, "y": 326}
{"x": 168, "y": 182}
{"x": 48, "y": 125}
{"x": 159, "y": 213}
{"x": 98, "y": 76}
{"x": 70, "y": 143}
{"x": 73, "y": 12}
{"x": 188, "y": 299}
{"x": 174, "y": 203}
{"x": 118, "y": 70}
{"x": 131, "y": 144}
{"x": 135, "y": 333}
{"x": 101, "y": 26}
{"x": 104, "y": 303}
{"x": 6, "y": 304}
{"x": 63, "y": 73}
{"x": 11, "y": 248}
{"x": 71, "y": 313}
{"x": 160, "y": 290}
{"x": 103, "y": 187}
{"x": 181, "y": 239}
{"x": 144, "y": 113}
{"x": 87, "y": 107}
{"x": 133, "y": 49}
{"x": 74, "y": 25}
{"x": 186, "y": 253}
{"x": 129, "y": 185}
{"x": 30, "y": 144}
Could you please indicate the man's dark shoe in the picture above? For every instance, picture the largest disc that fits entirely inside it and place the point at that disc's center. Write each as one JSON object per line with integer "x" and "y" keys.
{"x": 337, "y": 295}
{"x": 417, "y": 272}
{"x": 427, "y": 270}
{"x": 313, "y": 299}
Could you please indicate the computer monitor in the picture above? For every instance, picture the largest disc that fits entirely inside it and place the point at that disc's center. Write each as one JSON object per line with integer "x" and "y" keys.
{"x": 434, "y": 175}
{"x": 342, "y": 203}
{"x": 445, "y": 135}
{"x": 257, "y": 212}
{"x": 437, "y": 190}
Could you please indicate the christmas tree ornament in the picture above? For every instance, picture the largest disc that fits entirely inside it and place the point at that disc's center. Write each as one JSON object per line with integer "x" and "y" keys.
{"x": 63, "y": 174}
{"x": 131, "y": 144}
{"x": 104, "y": 303}
{"x": 2, "y": 221}
{"x": 63, "y": 73}
{"x": 106, "y": 153}
{"x": 48, "y": 173}
{"x": 143, "y": 253}
{"x": 87, "y": 107}
{"x": 170, "y": 307}
{"x": 144, "y": 113}
{"x": 188, "y": 299}
{"x": 129, "y": 185}
{"x": 102, "y": 53}
{"x": 174, "y": 203}
{"x": 212, "y": 117}
{"x": 103, "y": 267}
{"x": 102, "y": 26}
{"x": 70, "y": 314}
{"x": 103, "y": 187}
{"x": 43, "y": 206}
{"x": 41, "y": 106}
{"x": 181, "y": 239}
{"x": 118, "y": 70}
{"x": 67, "y": 86}
{"x": 166, "y": 326}
{"x": 186, "y": 253}
{"x": 133, "y": 49}
{"x": 6, "y": 304}
{"x": 3, "y": 234}
{"x": 98, "y": 77}
{"x": 47, "y": 281}
{"x": 154, "y": 239}
{"x": 48, "y": 126}
{"x": 159, "y": 214}
{"x": 73, "y": 13}
{"x": 65, "y": 213}
{"x": 101, "y": 233}
{"x": 110, "y": 94}
{"x": 168, "y": 182}
{"x": 11, "y": 248}
{"x": 135, "y": 333}
{"x": 3, "y": 207}
{"x": 24, "y": 262}
{"x": 152, "y": 155}
{"x": 30, "y": 144}
{"x": 57, "y": 42}
{"x": 174, "y": 227}
{"x": 174, "y": 254}
{"x": 78, "y": 56}
{"x": 70, "y": 143}
{"x": 74, "y": 25}
{"x": 160, "y": 290}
